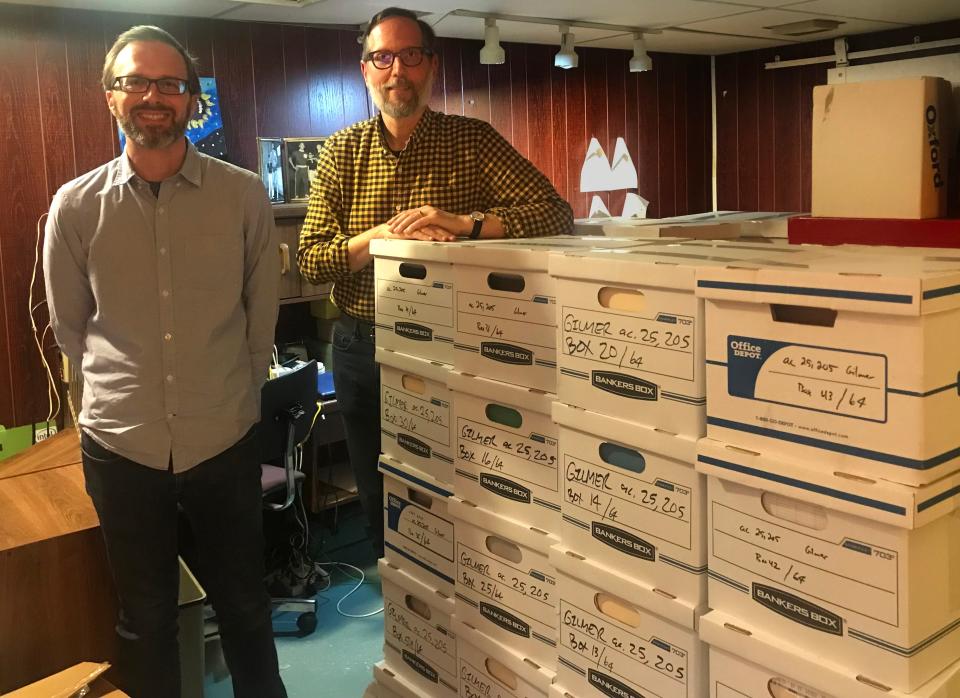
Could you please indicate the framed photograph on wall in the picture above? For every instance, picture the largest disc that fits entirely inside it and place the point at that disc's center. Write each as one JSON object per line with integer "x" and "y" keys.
{"x": 271, "y": 167}
{"x": 300, "y": 165}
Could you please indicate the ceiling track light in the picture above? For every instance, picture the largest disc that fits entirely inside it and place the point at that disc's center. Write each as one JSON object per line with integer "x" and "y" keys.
{"x": 492, "y": 52}
{"x": 566, "y": 57}
{"x": 641, "y": 61}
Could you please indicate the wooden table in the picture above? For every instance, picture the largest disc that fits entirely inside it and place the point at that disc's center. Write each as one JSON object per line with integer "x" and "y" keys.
{"x": 57, "y": 600}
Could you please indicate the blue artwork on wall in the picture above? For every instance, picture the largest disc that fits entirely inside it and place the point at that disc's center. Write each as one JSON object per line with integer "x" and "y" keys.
{"x": 205, "y": 129}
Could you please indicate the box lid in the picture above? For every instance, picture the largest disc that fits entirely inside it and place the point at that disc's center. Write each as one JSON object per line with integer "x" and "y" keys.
{"x": 912, "y": 283}
{"x": 525, "y": 668}
{"x": 413, "y": 477}
{"x": 431, "y": 370}
{"x": 517, "y": 531}
{"x": 639, "y": 436}
{"x": 429, "y": 595}
{"x": 877, "y": 500}
{"x": 774, "y": 653}
{"x": 411, "y": 250}
{"x": 529, "y": 254}
{"x": 501, "y": 393}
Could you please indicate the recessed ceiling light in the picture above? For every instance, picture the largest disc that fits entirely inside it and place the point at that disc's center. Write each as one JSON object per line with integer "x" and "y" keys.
{"x": 804, "y": 27}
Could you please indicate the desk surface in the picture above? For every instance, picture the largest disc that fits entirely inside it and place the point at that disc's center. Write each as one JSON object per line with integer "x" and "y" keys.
{"x": 60, "y": 449}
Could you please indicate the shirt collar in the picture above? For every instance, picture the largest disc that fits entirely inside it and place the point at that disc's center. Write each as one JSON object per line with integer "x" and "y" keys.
{"x": 422, "y": 125}
{"x": 190, "y": 170}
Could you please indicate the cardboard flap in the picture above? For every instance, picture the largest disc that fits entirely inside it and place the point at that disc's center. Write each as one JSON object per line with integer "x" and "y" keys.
{"x": 528, "y": 670}
{"x": 431, "y": 370}
{"x": 433, "y": 597}
{"x": 501, "y": 393}
{"x": 528, "y": 254}
{"x": 411, "y": 250}
{"x": 411, "y": 477}
{"x": 64, "y": 684}
{"x": 529, "y": 537}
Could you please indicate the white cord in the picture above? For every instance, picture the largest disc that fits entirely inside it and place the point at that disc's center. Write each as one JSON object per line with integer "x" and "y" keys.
{"x": 349, "y": 593}
{"x": 53, "y": 395}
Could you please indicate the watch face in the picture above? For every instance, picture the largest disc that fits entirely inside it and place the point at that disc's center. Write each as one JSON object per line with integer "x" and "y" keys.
{"x": 477, "y": 215}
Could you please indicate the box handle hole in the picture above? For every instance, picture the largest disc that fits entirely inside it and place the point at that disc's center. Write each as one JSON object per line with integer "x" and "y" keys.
{"x": 409, "y": 270}
{"x": 511, "y": 283}
{"x": 803, "y": 315}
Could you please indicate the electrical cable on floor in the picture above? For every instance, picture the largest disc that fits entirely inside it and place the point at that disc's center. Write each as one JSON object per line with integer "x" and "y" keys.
{"x": 340, "y": 566}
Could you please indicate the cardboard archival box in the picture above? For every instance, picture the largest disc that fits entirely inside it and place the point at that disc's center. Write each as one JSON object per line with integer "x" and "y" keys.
{"x": 748, "y": 662}
{"x": 861, "y": 571}
{"x": 418, "y": 642}
{"x": 390, "y": 684}
{"x": 506, "y": 450}
{"x": 506, "y": 586}
{"x": 632, "y": 501}
{"x": 630, "y": 330}
{"x": 880, "y": 148}
{"x": 489, "y": 670}
{"x": 610, "y": 645}
{"x": 846, "y": 362}
{"x": 506, "y": 308}
{"x": 558, "y": 691}
{"x": 71, "y": 682}
{"x": 416, "y": 413}
{"x": 418, "y": 533}
{"x": 414, "y": 282}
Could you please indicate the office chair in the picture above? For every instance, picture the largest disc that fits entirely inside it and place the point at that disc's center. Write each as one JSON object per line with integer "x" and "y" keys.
{"x": 287, "y": 407}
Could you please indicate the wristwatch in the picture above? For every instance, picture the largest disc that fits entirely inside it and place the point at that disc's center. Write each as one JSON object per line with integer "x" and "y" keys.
{"x": 477, "y": 217}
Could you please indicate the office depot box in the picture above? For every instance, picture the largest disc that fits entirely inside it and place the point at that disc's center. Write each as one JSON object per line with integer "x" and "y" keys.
{"x": 861, "y": 571}
{"x": 611, "y": 645}
{"x": 880, "y": 148}
{"x": 416, "y": 413}
{"x": 489, "y": 669}
{"x": 506, "y": 308}
{"x": 632, "y": 501}
{"x": 631, "y": 331}
{"x": 746, "y": 662}
{"x": 414, "y": 281}
{"x": 418, "y": 531}
{"x": 506, "y": 450}
{"x": 418, "y": 642}
{"x": 847, "y": 363}
{"x": 505, "y": 583}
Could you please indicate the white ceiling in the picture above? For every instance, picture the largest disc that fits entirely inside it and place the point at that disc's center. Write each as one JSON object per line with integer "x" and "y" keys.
{"x": 686, "y": 26}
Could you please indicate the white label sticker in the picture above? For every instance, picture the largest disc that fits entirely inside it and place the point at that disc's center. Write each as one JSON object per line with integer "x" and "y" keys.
{"x": 416, "y": 302}
{"x": 509, "y": 320}
{"x": 421, "y": 527}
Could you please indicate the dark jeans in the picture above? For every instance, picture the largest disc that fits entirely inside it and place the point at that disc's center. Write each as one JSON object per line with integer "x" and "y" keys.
{"x": 356, "y": 377}
{"x": 221, "y": 498}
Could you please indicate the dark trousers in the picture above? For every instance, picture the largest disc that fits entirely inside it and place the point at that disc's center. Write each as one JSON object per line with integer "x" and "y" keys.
{"x": 356, "y": 377}
{"x": 138, "y": 510}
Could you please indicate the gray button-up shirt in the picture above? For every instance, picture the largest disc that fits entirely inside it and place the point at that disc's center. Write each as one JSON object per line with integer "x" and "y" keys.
{"x": 168, "y": 303}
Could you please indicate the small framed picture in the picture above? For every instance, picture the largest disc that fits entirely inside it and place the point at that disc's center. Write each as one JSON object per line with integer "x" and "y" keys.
{"x": 300, "y": 165}
{"x": 271, "y": 167}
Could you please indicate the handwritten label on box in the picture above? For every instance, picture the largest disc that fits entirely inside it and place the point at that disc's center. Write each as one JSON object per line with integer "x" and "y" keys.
{"x": 433, "y": 644}
{"x": 424, "y": 418}
{"x": 420, "y": 527}
{"x": 522, "y": 458}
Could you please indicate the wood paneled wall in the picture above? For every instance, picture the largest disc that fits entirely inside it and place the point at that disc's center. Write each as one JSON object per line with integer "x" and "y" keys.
{"x": 283, "y": 80}
{"x": 764, "y": 118}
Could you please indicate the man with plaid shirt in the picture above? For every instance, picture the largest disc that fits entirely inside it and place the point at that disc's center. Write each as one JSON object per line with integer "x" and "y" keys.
{"x": 407, "y": 173}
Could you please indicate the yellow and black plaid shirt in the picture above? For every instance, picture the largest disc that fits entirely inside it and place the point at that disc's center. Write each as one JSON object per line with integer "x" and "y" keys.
{"x": 452, "y": 162}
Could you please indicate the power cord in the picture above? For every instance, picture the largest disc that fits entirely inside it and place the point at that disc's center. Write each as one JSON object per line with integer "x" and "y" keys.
{"x": 360, "y": 582}
{"x": 53, "y": 395}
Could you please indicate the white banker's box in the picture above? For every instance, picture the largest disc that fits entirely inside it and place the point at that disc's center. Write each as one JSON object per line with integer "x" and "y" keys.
{"x": 506, "y": 308}
{"x": 612, "y": 644}
{"x": 632, "y": 501}
{"x": 746, "y": 662}
{"x": 849, "y": 363}
{"x": 391, "y": 684}
{"x": 418, "y": 642}
{"x": 864, "y": 572}
{"x": 489, "y": 670}
{"x": 506, "y": 450}
{"x": 414, "y": 313}
{"x": 416, "y": 413}
{"x": 506, "y": 586}
{"x": 630, "y": 330}
{"x": 418, "y": 533}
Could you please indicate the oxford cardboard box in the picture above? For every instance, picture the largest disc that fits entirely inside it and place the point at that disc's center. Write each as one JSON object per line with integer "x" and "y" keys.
{"x": 418, "y": 642}
{"x": 861, "y": 571}
{"x": 505, "y": 584}
{"x": 506, "y": 308}
{"x": 611, "y": 644}
{"x": 630, "y": 331}
{"x": 746, "y": 662}
{"x": 847, "y": 362}
{"x": 506, "y": 450}
{"x": 632, "y": 501}
{"x": 416, "y": 413}
{"x": 490, "y": 670}
{"x": 414, "y": 287}
{"x": 880, "y": 148}
{"x": 418, "y": 531}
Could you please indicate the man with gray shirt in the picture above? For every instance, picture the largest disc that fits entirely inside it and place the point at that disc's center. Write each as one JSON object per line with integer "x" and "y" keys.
{"x": 162, "y": 285}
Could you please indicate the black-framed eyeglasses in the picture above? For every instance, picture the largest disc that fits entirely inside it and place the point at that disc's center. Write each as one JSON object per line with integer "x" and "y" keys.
{"x": 136, "y": 84}
{"x": 410, "y": 57}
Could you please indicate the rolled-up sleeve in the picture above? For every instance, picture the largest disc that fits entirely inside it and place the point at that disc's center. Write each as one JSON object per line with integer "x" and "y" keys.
{"x": 69, "y": 296}
{"x": 523, "y": 198}
{"x": 322, "y": 253}
{"x": 261, "y": 280}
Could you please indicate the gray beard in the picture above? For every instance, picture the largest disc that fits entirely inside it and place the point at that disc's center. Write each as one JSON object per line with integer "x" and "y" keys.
{"x": 152, "y": 138}
{"x": 401, "y": 110}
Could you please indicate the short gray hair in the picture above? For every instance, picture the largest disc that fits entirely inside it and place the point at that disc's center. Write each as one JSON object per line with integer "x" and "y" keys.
{"x": 145, "y": 32}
